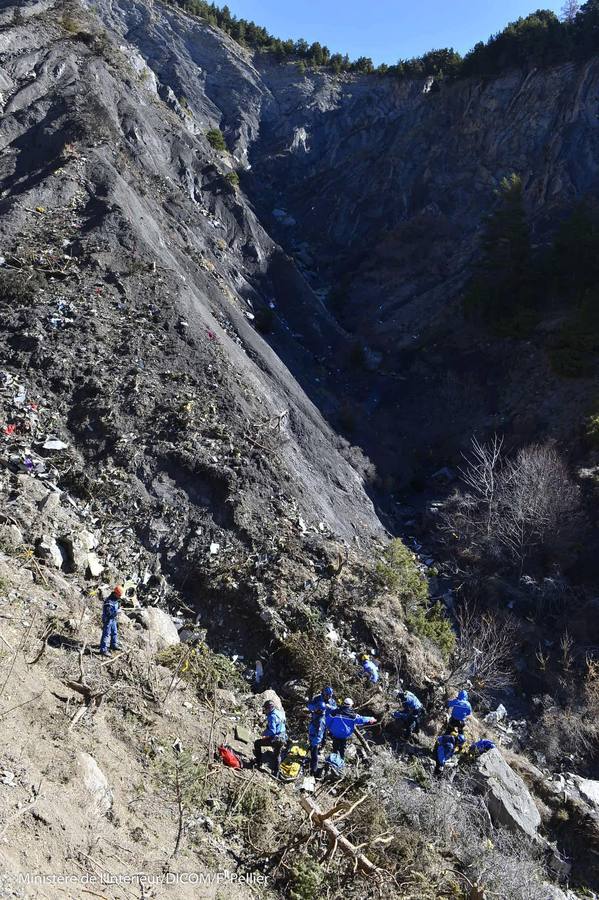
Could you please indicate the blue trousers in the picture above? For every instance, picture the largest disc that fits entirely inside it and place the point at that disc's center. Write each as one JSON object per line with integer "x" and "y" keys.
{"x": 110, "y": 635}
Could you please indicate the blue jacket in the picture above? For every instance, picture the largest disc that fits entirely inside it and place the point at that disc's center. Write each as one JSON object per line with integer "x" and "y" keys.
{"x": 371, "y": 670}
{"x": 318, "y": 706}
{"x": 276, "y": 725}
{"x": 343, "y": 722}
{"x": 460, "y": 709}
{"x": 482, "y": 746}
{"x": 110, "y": 609}
{"x": 447, "y": 746}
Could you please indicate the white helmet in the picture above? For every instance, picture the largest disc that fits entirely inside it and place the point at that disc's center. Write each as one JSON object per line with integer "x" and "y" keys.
{"x": 348, "y": 702}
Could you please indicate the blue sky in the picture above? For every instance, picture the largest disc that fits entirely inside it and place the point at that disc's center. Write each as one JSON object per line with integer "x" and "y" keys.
{"x": 387, "y": 30}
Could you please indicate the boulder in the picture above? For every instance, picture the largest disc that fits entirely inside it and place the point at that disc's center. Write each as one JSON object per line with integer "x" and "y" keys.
{"x": 162, "y": 631}
{"x": 265, "y": 696}
{"x": 50, "y": 552}
{"x": 11, "y": 538}
{"x": 94, "y": 782}
{"x": 589, "y": 790}
{"x": 508, "y": 799}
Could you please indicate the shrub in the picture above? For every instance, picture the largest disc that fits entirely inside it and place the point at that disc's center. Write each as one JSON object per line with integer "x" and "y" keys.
{"x": 515, "y": 509}
{"x": 305, "y": 879}
{"x": 233, "y": 179}
{"x": 202, "y": 667}
{"x": 312, "y": 658}
{"x": 430, "y": 622}
{"x": 397, "y": 571}
{"x": 216, "y": 139}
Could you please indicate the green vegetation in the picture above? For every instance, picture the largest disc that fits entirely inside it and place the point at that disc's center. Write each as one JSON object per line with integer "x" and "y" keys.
{"x": 430, "y": 622}
{"x": 305, "y": 880}
{"x": 204, "y": 669}
{"x": 502, "y": 290}
{"x": 539, "y": 39}
{"x": 397, "y": 571}
{"x": 233, "y": 179}
{"x": 216, "y": 139}
{"x": 514, "y": 284}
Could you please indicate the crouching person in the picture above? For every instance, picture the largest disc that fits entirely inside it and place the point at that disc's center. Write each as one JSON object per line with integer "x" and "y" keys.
{"x": 447, "y": 745}
{"x": 275, "y": 735}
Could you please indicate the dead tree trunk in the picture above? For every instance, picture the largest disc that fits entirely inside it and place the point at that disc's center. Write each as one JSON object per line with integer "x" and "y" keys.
{"x": 324, "y": 821}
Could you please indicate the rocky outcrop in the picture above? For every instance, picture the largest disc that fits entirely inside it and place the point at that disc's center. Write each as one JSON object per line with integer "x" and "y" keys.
{"x": 94, "y": 783}
{"x": 508, "y": 799}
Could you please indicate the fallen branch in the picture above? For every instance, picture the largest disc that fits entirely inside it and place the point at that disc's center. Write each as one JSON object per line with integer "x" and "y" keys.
{"x": 5, "y": 712}
{"x": 323, "y": 821}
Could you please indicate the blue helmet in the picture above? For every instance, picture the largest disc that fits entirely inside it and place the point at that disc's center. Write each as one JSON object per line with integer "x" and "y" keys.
{"x": 463, "y": 695}
{"x": 327, "y": 692}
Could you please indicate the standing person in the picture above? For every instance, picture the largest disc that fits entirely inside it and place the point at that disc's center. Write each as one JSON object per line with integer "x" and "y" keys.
{"x": 110, "y": 611}
{"x": 369, "y": 668}
{"x": 460, "y": 711}
{"x": 411, "y": 713}
{"x": 319, "y": 706}
{"x": 275, "y": 735}
{"x": 342, "y": 722}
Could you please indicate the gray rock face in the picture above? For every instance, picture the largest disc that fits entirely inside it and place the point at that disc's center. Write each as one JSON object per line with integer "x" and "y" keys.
{"x": 508, "y": 799}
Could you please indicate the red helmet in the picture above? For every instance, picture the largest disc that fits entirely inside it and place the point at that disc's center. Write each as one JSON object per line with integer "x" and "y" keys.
{"x": 118, "y": 591}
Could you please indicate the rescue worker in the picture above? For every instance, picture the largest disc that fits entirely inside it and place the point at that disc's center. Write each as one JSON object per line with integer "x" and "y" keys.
{"x": 477, "y": 748}
{"x": 341, "y": 724}
{"x": 274, "y": 736}
{"x": 446, "y": 746}
{"x": 317, "y": 730}
{"x": 411, "y": 713}
{"x": 370, "y": 669}
{"x": 460, "y": 711}
{"x": 110, "y": 611}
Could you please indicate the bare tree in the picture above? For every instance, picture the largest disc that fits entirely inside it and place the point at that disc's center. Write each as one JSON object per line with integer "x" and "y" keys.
{"x": 570, "y": 10}
{"x": 512, "y": 508}
{"x": 482, "y": 475}
{"x": 484, "y": 651}
{"x": 539, "y": 503}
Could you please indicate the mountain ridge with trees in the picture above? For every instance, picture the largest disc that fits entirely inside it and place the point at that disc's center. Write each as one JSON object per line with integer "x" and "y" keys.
{"x": 539, "y": 39}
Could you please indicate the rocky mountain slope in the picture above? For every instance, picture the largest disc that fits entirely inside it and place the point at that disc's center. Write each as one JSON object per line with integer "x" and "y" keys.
{"x": 173, "y": 376}
{"x": 382, "y": 216}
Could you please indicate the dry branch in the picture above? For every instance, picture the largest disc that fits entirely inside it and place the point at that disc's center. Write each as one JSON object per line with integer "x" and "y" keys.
{"x": 324, "y": 822}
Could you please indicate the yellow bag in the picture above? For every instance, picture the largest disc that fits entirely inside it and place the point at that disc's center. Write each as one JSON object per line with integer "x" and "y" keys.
{"x": 293, "y": 763}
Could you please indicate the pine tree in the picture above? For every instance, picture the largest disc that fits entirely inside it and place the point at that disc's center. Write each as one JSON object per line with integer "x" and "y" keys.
{"x": 502, "y": 289}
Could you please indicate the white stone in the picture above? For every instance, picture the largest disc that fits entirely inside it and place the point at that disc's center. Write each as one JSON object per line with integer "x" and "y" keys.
{"x": 95, "y": 782}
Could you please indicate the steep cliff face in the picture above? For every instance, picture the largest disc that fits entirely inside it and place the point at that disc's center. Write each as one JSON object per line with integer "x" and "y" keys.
{"x": 377, "y": 189}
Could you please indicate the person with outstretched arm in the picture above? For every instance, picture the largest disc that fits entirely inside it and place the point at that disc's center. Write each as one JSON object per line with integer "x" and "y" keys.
{"x": 341, "y": 724}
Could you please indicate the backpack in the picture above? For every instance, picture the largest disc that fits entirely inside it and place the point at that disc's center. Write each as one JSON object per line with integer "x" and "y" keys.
{"x": 293, "y": 764}
{"x": 229, "y": 757}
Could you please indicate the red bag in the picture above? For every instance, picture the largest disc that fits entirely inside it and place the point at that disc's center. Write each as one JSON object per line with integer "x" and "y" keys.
{"x": 229, "y": 757}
